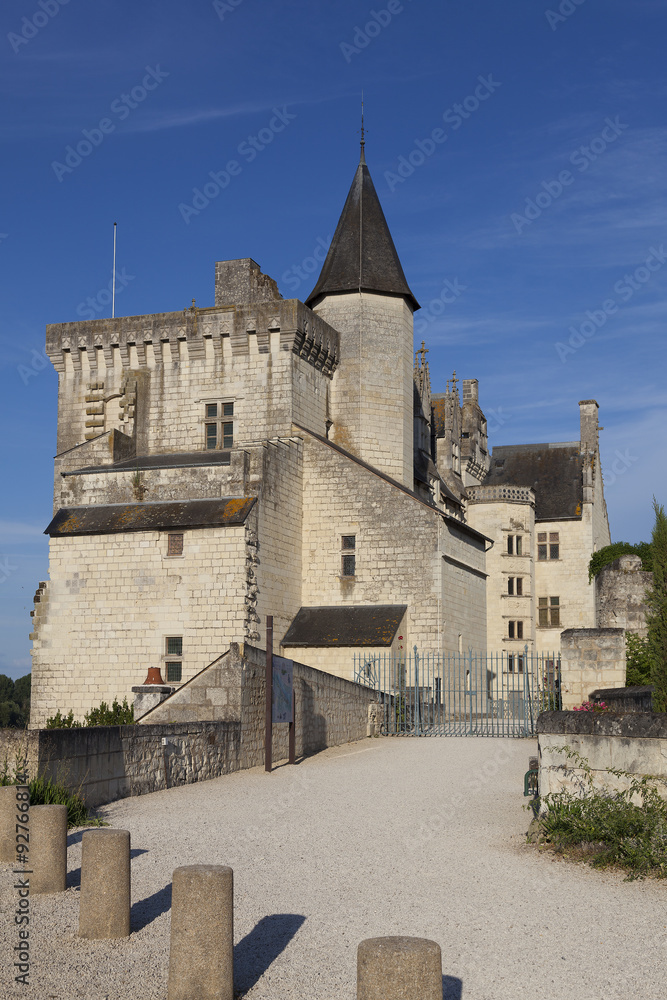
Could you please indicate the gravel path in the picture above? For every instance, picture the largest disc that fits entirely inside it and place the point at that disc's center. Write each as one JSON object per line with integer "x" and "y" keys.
{"x": 389, "y": 836}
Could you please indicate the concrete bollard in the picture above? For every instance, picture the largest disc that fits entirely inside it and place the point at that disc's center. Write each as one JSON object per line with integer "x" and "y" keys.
{"x": 104, "y": 910}
{"x": 48, "y": 848}
{"x": 9, "y": 812}
{"x": 399, "y": 968}
{"x": 201, "y": 954}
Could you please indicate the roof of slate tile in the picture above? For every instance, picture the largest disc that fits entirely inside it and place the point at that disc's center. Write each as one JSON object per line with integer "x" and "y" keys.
{"x": 362, "y": 255}
{"x": 371, "y": 625}
{"x": 112, "y": 518}
{"x": 173, "y": 460}
{"x": 554, "y": 472}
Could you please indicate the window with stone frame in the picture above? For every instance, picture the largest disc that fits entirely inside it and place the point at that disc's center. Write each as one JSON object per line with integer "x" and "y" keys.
{"x": 218, "y": 426}
{"x": 515, "y": 586}
{"x": 548, "y": 545}
{"x": 515, "y": 630}
{"x": 175, "y": 543}
{"x": 548, "y": 612}
{"x": 173, "y": 658}
{"x": 515, "y": 663}
{"x": 514, "y": 545}
{"x": 348, "y": 544}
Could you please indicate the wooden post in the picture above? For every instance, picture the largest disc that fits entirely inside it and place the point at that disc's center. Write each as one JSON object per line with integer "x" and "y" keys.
{"x": 292, "y": 728}
{"x": 268, "y": 727}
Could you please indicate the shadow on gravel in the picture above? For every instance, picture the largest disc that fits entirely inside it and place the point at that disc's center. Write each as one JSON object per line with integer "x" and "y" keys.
{"x": 256, "y": 951}
{"x": 452, "y": 988}
{"x": 147, "y": 910}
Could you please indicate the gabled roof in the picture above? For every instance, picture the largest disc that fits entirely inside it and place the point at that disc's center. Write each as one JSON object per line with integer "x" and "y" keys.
{"x": 365, "y": 625}
{"x": 362, "y": 256}
{"x": 107, "y": 519}
{"x": 553, "y": 471}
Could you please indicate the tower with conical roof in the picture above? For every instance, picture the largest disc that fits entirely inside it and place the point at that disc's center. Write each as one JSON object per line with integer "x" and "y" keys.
{"x": 363, "y": 293}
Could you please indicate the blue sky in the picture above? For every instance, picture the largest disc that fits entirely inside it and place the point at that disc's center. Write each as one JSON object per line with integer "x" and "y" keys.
{"x": 541, "y": 200}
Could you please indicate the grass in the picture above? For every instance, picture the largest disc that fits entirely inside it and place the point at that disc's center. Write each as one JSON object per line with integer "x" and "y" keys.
{"x": 45, "y": 792}
{"x": 624, "y": 829}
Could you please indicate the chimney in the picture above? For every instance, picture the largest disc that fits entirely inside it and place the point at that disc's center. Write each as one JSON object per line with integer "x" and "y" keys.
{"x": 239, "y": 282}
{"x": 588, "y": 417}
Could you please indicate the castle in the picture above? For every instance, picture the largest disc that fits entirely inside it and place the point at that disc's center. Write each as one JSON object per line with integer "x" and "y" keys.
{"x": 265, "y": 456}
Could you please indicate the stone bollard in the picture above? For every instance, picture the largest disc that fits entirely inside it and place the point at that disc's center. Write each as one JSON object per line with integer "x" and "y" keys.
{"x": 104, "y": 910}
{"x": 8, "y": 819}
{"x": 201, "y": 954}
{"x": 399, "y": 968}
{"x": 48, "y": 848}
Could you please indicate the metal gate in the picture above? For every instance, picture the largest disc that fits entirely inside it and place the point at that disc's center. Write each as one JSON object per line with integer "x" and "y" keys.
{"x": 461, "y": 694}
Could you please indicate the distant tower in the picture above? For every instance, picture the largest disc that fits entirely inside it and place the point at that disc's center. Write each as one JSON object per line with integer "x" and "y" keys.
{"x": 362, "y": 292}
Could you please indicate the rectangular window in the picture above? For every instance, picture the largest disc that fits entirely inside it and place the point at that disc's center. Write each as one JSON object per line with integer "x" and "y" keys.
{"x": 175, "y": 544}
{"x": 510, "y": 629}
{"x": 519, "y": 630}
{"x": 510, "y": 545}
{"x": 510, "y": 585}
{"x": 218, "y": 428}
{"x": 515, "y": 663}
{"x": 173, "y": 647}
{"x": 548, "y": 612}
{"x": 554, "y": 545}
{"x": 550, "y": 550}
{"x": 519, "y": 586}
{"x": 348, "y": 544}
{"x": 517, "y": 543}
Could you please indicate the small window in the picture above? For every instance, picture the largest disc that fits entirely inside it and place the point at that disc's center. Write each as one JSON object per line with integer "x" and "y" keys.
{"x": 510, "y": 545}
{"x": 173, "y": 646}
{"x": 175, "y": 544}
{"x": 348, "y": 544}
{"x": 518, "y": 546}
{"x": 519, "y": 630}
{"x": 218, "y": 428}
{"x": 510, "y": 629}
{"x": 548, "y": 612}
{"x": 515, "y": 663}
{"x": 510, "y": 585}
{"x": 554, "y": 545}
{"x": 519, "y": 586}
{"x": 548, "y": 551}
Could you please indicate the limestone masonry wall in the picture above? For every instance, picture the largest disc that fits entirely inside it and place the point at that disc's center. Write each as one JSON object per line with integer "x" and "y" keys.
{"x": 590, "y": 658}
{"x": 398, "y": 540}
{"x": 621, "y": 594}
{"x": 213, "y": 725}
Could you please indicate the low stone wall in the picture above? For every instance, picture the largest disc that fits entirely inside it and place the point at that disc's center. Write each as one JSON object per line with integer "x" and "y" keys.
{"x": 213, "y": 725}
{"x": 636, "y": 743}
{"x": 590, "y": 658}
{"x": 629, "y": 699}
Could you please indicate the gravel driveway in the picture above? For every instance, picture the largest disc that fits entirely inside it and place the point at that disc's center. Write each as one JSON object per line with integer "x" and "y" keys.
{"x": 387, "y": 836}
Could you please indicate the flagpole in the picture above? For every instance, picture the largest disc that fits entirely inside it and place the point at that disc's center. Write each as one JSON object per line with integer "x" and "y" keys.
{"x": 113, "y": 280}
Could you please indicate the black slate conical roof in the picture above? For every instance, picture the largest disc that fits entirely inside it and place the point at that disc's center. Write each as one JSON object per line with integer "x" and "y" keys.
{"x": 362, "y": 255}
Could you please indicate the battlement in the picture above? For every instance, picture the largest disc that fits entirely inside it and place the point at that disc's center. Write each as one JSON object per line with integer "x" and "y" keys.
{"x": 150, "y": 340}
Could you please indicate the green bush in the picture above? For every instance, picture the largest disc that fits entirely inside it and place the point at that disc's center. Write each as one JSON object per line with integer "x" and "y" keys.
{"x": 46, "y": 792}
{"x": 606, "y": 555}
{"x": 14, "y": 702}
{"x": 117, "y": 715}
{"x": 625, "y": 829}
{"x": 638, "y": 670}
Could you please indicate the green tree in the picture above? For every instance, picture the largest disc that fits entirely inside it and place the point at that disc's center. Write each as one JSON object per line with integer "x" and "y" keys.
{"x": 604, "y": 556}
{"x": 656, "y": 616}
{"x": 22, "y": 694}
{"x": 638, "y": 661}
{"x": 6, "y": 688}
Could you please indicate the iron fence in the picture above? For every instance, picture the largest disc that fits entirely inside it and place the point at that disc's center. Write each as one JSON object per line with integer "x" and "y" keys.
{"x": 461, "y": 694}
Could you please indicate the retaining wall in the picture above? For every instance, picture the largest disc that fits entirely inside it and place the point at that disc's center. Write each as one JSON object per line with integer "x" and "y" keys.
{"x": 111, "y": 762}
{"x": 633, "y": 742}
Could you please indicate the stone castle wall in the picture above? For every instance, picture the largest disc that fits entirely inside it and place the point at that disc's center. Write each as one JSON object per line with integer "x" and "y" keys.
{"x": 406, "y": 552}
{"x": 621, "y": 595}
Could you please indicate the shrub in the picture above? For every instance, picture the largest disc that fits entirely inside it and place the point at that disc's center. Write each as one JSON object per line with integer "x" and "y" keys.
{"x": 46, "y": 792}
{"x": 625, "y": 829}
{"x": 638, "y": 664}
{"x": 591, "y": 706}
{"x": 117, "y": 715}
{"x": 606, "y": 555}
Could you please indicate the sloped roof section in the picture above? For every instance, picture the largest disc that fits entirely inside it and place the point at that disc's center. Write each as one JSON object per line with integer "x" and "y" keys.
{"x": 113, "y": 518}
{"x": 173, "y": 460}
{"x": 554, "y": 472}
{"x": 362, "y": 255}
{"x": 366, "y": 625}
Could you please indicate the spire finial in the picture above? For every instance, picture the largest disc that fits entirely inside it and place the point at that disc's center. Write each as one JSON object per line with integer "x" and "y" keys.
{"x": 362, "y": 156}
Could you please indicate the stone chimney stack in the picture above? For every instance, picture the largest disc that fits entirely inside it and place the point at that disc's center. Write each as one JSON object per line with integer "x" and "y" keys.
{"x": 588, "y": 416}
{"x": 238, "y": 282}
